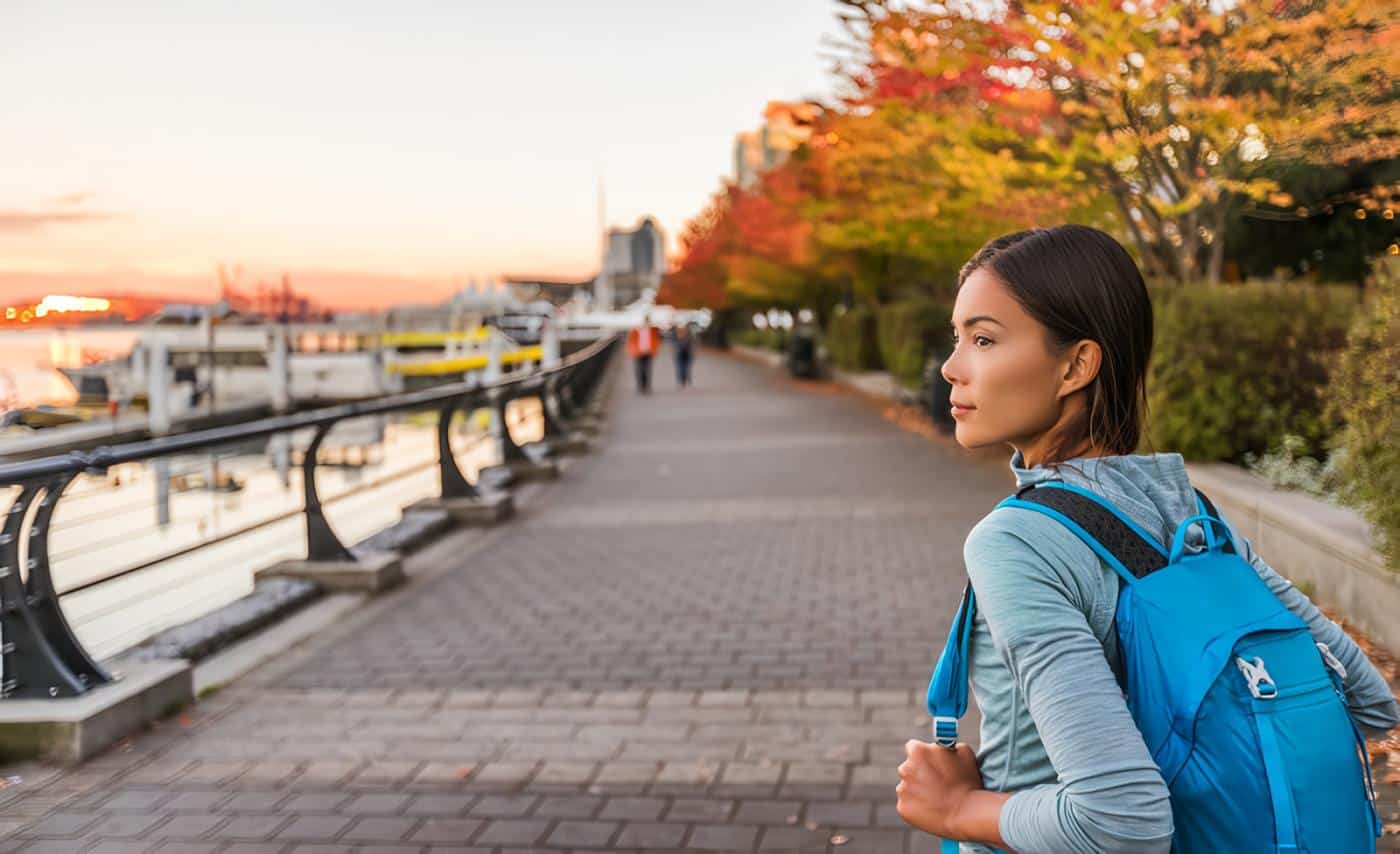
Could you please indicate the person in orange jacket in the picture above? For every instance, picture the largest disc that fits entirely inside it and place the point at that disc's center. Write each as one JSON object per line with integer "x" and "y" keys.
{"x": 642, "y": 344}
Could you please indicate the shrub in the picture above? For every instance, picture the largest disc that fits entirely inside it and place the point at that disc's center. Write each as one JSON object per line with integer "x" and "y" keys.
{"x": 1366, "y": 394}
{"x": 1236, "y": 368}
{"x": 768, "y": 339}
{"x": 850, "y": 340}
{"x": 908, "y": 332}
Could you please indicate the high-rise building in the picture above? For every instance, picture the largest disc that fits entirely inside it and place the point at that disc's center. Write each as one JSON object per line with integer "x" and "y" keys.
{"x": 633, "y": 262}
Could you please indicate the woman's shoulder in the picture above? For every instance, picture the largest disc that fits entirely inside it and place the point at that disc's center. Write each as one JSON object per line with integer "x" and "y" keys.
{"x": 1022, "y": 541}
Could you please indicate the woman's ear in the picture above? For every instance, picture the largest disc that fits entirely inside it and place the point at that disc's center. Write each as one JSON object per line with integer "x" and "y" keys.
{"x": 1082, "y": 362}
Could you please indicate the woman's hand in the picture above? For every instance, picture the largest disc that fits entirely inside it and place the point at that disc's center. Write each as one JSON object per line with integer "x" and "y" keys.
{"x": 934, "y": 785}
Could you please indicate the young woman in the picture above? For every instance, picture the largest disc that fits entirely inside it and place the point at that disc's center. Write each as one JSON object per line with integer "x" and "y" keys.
{"x": 1053, "y": 331}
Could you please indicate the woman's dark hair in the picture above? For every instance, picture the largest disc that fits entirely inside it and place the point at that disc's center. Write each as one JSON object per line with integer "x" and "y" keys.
{"x": 1082, "y": 284}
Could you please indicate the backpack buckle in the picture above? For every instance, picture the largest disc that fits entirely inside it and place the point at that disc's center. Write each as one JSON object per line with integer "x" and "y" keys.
{"x": 1261, "y": 684}
{"x": 945, "y": 731}
{"x": 1331, "y": 660}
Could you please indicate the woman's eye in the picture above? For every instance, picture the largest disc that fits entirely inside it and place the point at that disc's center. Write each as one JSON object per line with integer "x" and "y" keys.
{"x": 982, "y": 341}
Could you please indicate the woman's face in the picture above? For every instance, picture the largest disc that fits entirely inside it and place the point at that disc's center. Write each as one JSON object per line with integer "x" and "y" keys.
{"x": 1007, "y": 382}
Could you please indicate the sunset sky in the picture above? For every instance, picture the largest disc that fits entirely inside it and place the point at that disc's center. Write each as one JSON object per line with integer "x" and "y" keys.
{"x": 378, "y": 152}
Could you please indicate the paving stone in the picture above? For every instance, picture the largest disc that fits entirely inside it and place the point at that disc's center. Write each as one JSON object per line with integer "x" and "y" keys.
{"x": 722, "y": 837}
{"x": 512, "y": 831}
{"x": 504, "y": 806}
{"x": 315, "y": 827}
{"x": 253, "y": 826}
{"x": 653, "y": 835}
{"x": 316, "y": 801}
{"x": 758, "y": 811}
{"x": 375, "y": 803}
{"x": 449, "y": 830}
{"x": 582, "y": 834}
{"x": 569, "y": 806}
{"x": 188, "y": 827}
{"x": 379, "y": 829}
{"x": 839, "y": 814}
{"x": 63, "y": 824}
{"x": 699, "y": 809}
{"x": 443, "y": 805}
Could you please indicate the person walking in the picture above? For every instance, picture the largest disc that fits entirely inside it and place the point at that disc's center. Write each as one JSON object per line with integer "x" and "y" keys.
{"x": 642, "y": 343}
{"x": 684, "y": 342}
{"x": 1101, "y": 730}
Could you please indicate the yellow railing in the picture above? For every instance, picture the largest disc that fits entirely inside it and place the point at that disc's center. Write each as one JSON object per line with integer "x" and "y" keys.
{"x": 461, "y": 364}
{"x": 432, "y": 339}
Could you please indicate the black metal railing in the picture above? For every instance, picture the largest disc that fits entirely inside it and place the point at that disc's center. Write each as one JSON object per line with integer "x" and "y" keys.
{"x": 40, "y": 654}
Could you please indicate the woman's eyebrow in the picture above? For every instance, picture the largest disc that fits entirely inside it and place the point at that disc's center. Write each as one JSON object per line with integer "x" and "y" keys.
{"x": 982, "y": 317}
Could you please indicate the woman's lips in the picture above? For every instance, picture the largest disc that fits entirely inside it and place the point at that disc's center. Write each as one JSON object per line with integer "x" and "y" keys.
{"x": 960, "y": 409}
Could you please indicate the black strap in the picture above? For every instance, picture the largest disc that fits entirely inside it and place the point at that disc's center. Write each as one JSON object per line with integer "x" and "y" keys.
{"x": 1132, "y": 550}
{"x": 1140, "y": 556}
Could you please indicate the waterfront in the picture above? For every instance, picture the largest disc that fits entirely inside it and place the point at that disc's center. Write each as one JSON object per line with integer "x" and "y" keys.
{"x": 107, "y": 524}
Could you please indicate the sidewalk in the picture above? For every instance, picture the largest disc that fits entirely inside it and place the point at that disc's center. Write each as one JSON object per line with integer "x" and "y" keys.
{"x": 714, "y": 634}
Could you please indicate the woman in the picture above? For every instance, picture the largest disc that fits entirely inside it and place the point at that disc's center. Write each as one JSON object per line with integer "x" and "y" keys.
{"x": 1052, "y": 335}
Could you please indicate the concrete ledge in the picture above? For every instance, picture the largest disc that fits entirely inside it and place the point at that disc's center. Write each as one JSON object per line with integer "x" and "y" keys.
{"x": 525, "y": 471}
{"x": 1310, "y": 542}
{"x": 373, "y": 573}
{"x": 572, "y": 445}
{"x": 875, "y": 384}
{"x": 487, "y": 509}
{"x": 271, "y": 600}
{"x": 771, "y": 358}
{"x": 414, "y": 530}
{"x": 73, "y": 729}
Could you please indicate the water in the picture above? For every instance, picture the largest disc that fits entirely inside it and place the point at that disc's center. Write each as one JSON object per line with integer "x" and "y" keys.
{"x": 105, "y": 524}
{"x": 29, "y": 359}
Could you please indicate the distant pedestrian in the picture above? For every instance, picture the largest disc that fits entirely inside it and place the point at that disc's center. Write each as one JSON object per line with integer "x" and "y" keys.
{"x": 685, "y": 353}
{"x": 642, "y": 344}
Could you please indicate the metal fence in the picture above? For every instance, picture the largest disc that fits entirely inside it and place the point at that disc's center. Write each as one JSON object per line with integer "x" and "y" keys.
{"x": 40, "y": 656}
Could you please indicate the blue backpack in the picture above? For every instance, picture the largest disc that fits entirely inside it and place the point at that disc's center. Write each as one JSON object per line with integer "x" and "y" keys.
{"x": 1242, "y": 711}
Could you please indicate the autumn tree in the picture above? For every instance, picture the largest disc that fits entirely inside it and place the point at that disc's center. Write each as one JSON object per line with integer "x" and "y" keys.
{"x": 1177, "y": 112}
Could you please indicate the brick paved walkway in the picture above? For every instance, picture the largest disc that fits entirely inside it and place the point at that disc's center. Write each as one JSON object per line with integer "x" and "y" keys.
{"x": 713, "y": 634}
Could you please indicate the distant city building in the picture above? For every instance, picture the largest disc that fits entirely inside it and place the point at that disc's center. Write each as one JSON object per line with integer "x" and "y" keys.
{"x": 785, "y": 126}
{"x": 633, "y": 262}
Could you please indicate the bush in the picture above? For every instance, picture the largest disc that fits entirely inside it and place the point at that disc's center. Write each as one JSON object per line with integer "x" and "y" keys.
{"x": 908, "y": 332}
{"x": 850, "y": 339}
{"x": 1366, "y": 394}
{"x": 767, "y": 339}
{"x": 1236, "y": 368}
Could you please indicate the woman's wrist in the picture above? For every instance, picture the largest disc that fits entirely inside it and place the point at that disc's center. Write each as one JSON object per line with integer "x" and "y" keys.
{"x": 978, "y": 817}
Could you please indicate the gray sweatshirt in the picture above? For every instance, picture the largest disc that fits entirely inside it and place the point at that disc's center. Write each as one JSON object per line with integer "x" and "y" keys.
{"x": 1055, "y": 726}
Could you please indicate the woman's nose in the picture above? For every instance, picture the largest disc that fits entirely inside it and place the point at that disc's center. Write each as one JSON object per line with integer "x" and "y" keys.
{"x": 950, "y": 368}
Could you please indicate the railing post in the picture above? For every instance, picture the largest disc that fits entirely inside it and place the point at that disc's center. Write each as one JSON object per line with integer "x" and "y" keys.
{"x": 321, "y": 542}
{"x": 41, "y": 657}
{"x": 550, "y": 395}
{"x": 451, "y": 482}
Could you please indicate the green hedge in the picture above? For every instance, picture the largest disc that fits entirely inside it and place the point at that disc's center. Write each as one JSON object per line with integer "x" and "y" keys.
{"x": 1365, "y": 392}
{"x": 1237, "y": 367}
{"x": 768, "y": 339}
{"x": 908, "y": 332}
{"x": 850, "y": 340}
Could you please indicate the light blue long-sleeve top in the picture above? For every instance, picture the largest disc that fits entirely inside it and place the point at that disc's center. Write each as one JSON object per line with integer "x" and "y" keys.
{"x": 1055, "y": 727}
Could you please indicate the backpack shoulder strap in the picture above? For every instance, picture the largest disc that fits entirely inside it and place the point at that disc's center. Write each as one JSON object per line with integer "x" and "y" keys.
{"x": 1207, "y": 507}
{"x": 1130, "y": 550}
{"x": 947, "y": 690}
